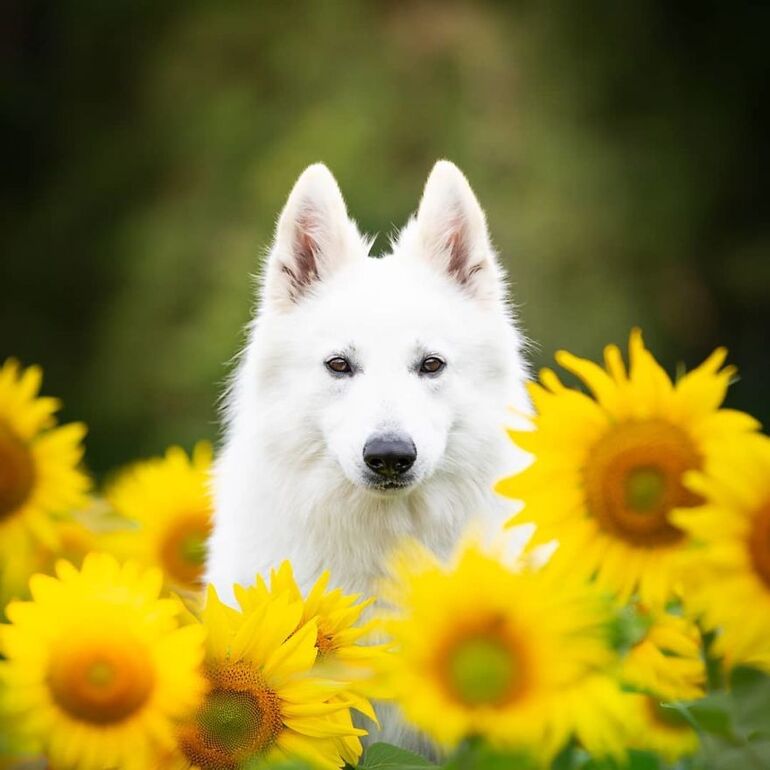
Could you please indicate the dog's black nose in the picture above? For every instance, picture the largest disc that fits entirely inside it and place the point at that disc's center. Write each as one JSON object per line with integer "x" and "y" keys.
{"x": 389, "y": 456}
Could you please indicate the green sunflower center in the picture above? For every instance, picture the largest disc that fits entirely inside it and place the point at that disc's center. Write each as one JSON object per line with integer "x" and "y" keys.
{"x": 239, "y": 720}
{"x": 17, "y": 472}
{"x": 230, "y": 719}
{"x": 644, "y": 489}
{"x": 483, "y": 669}
{"x": 759, "y": 543}
{"x": 633, "y": 480}
{"x": 183, "y": 550}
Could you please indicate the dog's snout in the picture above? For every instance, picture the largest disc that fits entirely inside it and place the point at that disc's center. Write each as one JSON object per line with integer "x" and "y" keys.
{"x": 390, "y": 456}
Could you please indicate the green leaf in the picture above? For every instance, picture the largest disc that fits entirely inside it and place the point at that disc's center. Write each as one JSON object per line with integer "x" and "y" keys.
{"x": 751, "y": 696}
{"x": 383, "y": 756}
{"x": 752, "y": 755}
{"x": 711, "y": 714}
{"x": 477, "y": 755}
{"x": 627, "y": 628}
{"x": 636, "y": 760}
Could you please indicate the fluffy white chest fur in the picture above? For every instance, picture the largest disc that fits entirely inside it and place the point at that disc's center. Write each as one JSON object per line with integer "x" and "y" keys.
{"x": 371, "y": 399}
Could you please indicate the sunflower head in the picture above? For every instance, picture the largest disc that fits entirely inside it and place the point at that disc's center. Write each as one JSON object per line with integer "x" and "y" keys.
{"x": 343, "y": 639}
{"x": 502, "y": 663}
{"x": 658, "y": 727}
{"x": 168, "y": 501}
{"x": 609, "y": 468}
{"x": 727, "y": 572}
{"x": 667, "y": 660}
{"x": 98, "y": 666}
{"x": 264, "y": 701}
{"x": 240, "y": 719}
{"x": 17, "y": 472}
{"x": 39, "y": 474}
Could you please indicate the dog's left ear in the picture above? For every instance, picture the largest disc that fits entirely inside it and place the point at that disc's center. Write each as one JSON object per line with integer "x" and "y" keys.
{"x": 453, "y": 235}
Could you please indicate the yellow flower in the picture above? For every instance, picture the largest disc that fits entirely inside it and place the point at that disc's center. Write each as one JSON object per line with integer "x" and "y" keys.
{"x": 76, "y": 534}
{"x": 264, "y": 701}
{"x": 729, "y": 566}
{"x": 97, "y": 668}
{"x": 341, "y": 654}
{"x": 608, "y": 471}
{"x": 667, "y": 661}
{"x": 168, "y": 498}
{"x": 39, "y": 473}
{"x": 73, "y": 540}
{"x": 659, "y": 728}
{"x": 515, "y": 656}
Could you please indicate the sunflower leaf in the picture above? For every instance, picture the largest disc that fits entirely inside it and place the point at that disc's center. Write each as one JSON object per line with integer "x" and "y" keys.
{"x": 383, "y": 756}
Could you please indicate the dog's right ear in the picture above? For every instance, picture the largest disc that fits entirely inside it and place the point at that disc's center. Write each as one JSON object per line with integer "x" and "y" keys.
{"x": 313, "y": 238}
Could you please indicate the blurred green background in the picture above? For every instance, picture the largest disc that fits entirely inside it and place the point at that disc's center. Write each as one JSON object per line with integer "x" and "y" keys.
{"x": 620, "y": 149}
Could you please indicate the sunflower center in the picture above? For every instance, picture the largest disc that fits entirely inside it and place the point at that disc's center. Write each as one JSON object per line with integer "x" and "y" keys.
{"x": 483, "y": 669}
{"x": 759, "y": 543}
{"x": 239, "y": 719}
{"x": 17, "y": 472}
{"x": 644, "y": 489}
{"x": 633, "y": 480}
{"x": 102, "y": 683}
{"x": 325, "y": 644}
{"x": 183, "y": 550}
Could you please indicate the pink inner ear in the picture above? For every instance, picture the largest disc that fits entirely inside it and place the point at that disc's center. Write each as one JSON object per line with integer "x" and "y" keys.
{"x": 458, "y": 253}
{"x": 303, "y": 268}
{"x": 459, "y": 266}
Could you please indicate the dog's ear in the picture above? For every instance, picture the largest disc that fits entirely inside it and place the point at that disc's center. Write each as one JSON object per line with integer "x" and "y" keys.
{"x": 452, "y": 232}
{"x": 314, "y": 237}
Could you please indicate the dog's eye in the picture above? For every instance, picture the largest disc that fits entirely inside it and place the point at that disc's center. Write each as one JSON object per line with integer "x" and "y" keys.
{"x": 432, "y": 365}
{"x": 339, "y": 365}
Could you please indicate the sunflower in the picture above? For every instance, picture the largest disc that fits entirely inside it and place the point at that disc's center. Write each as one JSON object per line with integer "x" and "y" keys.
{"x": 520, "y": 662}
{"x": 667, "y": 660}
{"x": 39, "y": 473}
{"x": 76, "y": 534}
{"x": 608, "y": 471}
{"x": 73, "y": 541}
{"x": 264, "y": 702}
{"x": 97, "y": 668}
{"x": 728, "y": 569}
{"x": 342, "y": 655}
{"x": 168, "y": 499}
{"x": 659, "y": 728}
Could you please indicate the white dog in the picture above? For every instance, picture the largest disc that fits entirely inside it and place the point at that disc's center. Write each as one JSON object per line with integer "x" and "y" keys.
{"x": 371, "y": 399}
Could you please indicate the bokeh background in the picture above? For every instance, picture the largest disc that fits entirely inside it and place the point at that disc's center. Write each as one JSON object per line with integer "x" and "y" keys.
{"x": 620, "y": 149}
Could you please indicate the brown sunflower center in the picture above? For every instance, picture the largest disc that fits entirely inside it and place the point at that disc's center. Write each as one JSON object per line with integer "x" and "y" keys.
{"x": 633, "y": 480}
{"x": 183, "y": 550}
{"x": 759, "y": 543}
{"x": 484, "y": 667}
{"x": 240, "y": 719}
{"x": 103, "y": 682}
{"x": 17, "y": 472}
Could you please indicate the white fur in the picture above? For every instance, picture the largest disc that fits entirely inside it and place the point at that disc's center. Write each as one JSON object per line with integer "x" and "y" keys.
{"x": 290, "y": 482}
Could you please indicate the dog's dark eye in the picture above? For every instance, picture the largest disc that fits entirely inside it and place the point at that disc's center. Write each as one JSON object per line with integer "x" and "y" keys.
{"x": 432, "y": 365}
{"x": 339, "y": 365}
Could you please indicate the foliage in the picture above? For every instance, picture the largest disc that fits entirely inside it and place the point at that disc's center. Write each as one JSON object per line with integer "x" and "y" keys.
{"x": 620, "y": 151}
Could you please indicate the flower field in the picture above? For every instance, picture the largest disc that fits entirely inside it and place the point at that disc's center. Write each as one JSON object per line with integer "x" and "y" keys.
{"x": 633, "y": 631}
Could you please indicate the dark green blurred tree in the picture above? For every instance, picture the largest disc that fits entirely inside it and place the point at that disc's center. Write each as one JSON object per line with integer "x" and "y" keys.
{"x": 620, "y": 149}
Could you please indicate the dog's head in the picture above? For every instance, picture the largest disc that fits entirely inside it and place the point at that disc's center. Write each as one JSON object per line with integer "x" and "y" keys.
{"x": 386, "y": 370}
